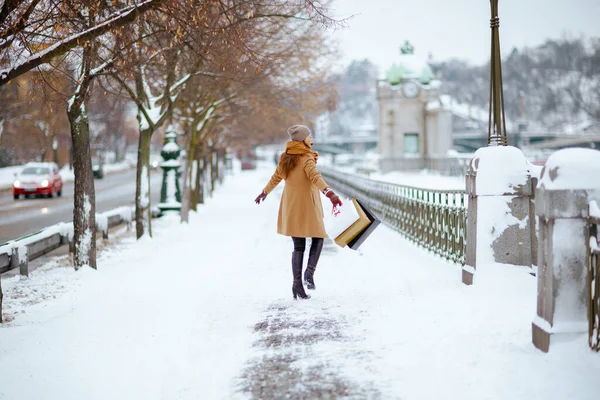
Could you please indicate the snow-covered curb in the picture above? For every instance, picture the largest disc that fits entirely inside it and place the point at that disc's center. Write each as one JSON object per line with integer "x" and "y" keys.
{"x": 104, "y": 221}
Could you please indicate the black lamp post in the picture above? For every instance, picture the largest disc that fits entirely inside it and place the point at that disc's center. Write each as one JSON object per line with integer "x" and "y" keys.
{"x": 497, "y": 120}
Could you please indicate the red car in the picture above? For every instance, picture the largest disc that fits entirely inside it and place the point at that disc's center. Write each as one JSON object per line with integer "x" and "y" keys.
{"x": 40, "y": 179}
{"x": 248, "y": 159}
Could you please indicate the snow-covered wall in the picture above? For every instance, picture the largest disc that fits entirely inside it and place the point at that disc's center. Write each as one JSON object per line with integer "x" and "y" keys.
{"x": 569, "y": 183}
{"x": 500, "y": 211}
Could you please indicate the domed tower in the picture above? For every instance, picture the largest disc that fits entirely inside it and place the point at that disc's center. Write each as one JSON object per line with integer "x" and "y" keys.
{"x": 413, "y": 124}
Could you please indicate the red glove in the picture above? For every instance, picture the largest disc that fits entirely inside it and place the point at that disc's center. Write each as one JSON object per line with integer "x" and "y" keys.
{"x": 261, "y": 197}
{"x": 335, "y": 200}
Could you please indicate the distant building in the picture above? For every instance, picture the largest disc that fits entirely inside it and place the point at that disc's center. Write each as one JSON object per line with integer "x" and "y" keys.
{"x": 415, "y": 123}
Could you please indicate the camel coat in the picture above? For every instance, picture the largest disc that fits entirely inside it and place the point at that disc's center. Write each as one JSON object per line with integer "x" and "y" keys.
{"x": 300, "y": 210}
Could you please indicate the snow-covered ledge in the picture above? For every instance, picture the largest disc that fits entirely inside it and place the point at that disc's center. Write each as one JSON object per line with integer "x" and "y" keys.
{"x": 501, "y": 212}
{"x": 570, "y": 181}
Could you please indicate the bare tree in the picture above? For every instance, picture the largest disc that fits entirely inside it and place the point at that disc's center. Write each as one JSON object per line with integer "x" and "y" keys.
{"x": 18, "y": 29}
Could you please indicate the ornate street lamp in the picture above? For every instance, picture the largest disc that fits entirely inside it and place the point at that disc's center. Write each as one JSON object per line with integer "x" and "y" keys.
{"x": 170, "y": 197}
{"x": 497, "y": 120}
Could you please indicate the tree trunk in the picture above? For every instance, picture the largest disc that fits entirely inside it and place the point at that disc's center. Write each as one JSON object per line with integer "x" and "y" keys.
{"x": 202, "y": 179}
{"x": 117, "y": 149}
{"x": 186, "y": 193}
{"x": 221, "y": 165}
{"x": 213, "y": 172}
{"x": 84, "y": 211}
{"x": 143, "y": 212}
{"x": 193, "y": 187}
{"x": 198, "y": 179}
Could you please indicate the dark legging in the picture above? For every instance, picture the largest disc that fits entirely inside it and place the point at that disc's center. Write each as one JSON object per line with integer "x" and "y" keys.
{"x": 300, "y": 243}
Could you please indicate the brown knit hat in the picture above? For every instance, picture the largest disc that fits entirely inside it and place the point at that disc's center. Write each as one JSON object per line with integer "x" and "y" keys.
{"x": 298, "y": 132}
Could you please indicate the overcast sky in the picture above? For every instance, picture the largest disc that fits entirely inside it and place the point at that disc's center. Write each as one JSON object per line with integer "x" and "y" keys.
{"x": 456, "y": 28}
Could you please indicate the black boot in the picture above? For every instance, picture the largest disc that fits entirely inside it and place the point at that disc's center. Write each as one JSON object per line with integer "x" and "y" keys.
{"x": 313, "y": 258}
{"x": 297, "y": 287}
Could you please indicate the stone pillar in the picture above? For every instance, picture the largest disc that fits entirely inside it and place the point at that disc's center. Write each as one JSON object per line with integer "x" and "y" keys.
{"x": 570, "y": 180}
{"x": 170, "y": 195}
{"x": 501, "y": 213}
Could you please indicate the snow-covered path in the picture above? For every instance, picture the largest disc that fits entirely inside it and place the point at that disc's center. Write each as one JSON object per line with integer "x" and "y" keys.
{"x": 205, "y": 312}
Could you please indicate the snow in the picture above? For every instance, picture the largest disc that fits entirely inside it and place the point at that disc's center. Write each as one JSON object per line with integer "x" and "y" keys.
{"x": 67, "y": 174}
{"x": 194, "y": 173}
{"x": 424, "y": 179}
{"x": 171, "y": 147}
{"x": 494, "y": 216}
{"x": 572, "y": 169}
{"x": 101, "y": 223}
{"x": 66, "y": 230}
{"x": 594, "y": 209}
{"x": 170, "y": 163}
{"x": 144, "y": 191}
{"x": 171, "y": 186}
{"x": 126, "y": 213}
{"x": 169, "y": 204}
{"x": 154, "y": 113}
{"x": 180, "y": 316}
{"x": 85, "y": 240}
{"x": 116, "y": 167}
{"x": 570, "y": 292}
{"x": 499, "y": 169}
{"x": 206, "y": 117}
{"x": 7, "y": 176}
{"x": 61, "y": 228}
{"x": 536, "y": 170}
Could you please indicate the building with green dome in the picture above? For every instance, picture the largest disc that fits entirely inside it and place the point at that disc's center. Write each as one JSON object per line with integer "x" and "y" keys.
{"x": 414, "y": 127}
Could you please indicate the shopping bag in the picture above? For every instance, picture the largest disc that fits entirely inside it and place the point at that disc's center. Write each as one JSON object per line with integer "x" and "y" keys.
{"x": 365, "y": 233}
{"x": 353, "y": 230}
{"x": 341, "y": 218}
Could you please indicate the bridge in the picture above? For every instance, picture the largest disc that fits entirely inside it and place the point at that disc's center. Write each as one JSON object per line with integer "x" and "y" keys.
{"x": 470, "y": 141}
{"x": 347, "y": 144}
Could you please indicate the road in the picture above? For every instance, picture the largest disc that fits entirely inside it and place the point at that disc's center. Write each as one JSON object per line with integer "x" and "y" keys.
{"x": 25, "y": 216}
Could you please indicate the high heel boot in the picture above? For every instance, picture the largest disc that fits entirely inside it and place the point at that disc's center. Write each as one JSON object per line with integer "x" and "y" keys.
{"x": 313, "y": 258}
{"x": 297, "y": 287}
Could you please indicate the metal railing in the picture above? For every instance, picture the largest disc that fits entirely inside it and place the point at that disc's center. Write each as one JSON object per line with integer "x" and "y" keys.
{"x": 593, "y": 238}
{"x": 433, "y": 219}
{"x": 452, "y": 166}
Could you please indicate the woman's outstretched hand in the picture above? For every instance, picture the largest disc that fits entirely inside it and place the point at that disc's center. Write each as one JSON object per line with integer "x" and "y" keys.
{"x": 335, "y": 199}
{"x": 261, "y": 197}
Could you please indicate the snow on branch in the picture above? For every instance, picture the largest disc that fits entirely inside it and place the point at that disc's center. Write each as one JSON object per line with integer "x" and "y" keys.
{"x": 119, "y": 18}
{"x": 101, "y": 68}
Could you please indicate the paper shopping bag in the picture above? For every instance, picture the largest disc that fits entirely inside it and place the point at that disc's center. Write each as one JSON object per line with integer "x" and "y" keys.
{"x": 362, "y": 236}
{"x": 342, "y": 219}
{"x": 353, "y": 230}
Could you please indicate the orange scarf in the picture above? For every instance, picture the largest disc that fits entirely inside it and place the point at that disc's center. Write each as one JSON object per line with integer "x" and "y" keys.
{"x": 293, "y": 147}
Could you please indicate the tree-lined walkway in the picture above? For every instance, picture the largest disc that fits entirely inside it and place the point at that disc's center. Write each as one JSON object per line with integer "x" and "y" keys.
{"x": 205, "y": 310}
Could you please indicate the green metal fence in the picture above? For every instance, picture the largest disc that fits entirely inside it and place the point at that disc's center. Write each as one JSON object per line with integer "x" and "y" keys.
{"x": 593, "y": 236}
{"x": 433, "y": 219}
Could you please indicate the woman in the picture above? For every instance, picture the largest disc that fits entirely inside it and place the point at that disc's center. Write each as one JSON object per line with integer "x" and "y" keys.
{"x": 300, "y": 210}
